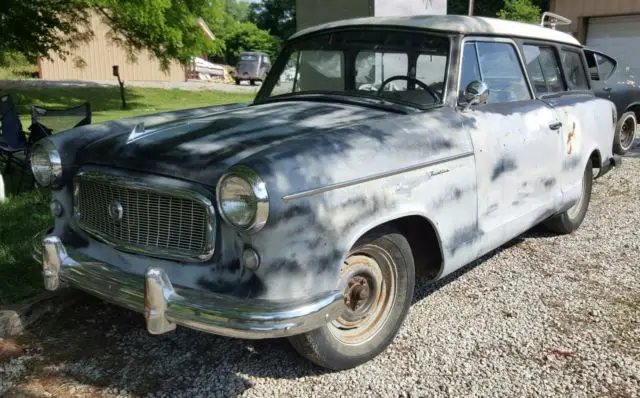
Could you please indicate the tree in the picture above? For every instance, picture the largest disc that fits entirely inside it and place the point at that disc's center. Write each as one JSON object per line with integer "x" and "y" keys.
{"x": 486, "y": 8}
{"x": 238, "y": 10}
{"x": 278, "y": 17}
{"x": 520, "y": 10}
{"x": 36, "y": 27}
{"x": 167, "y": 28}
{"x": 248, "y": 37}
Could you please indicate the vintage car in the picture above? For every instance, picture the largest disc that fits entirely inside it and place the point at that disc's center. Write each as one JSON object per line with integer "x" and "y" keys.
{"x": 309, "y": 212}
{"x": 616, "y": 82}
{"x": 252, "y": 67}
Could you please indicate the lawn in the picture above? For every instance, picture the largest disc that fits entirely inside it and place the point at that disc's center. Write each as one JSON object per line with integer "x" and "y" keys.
{"x": 23, "y": 215}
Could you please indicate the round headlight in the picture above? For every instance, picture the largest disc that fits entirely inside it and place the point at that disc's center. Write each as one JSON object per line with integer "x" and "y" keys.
{"x": 46, "y": 164}
{"x": 242, "y": 199}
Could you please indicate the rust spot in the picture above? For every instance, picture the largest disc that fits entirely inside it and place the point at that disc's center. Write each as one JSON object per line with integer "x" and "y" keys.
{"x": 572, "y": 133}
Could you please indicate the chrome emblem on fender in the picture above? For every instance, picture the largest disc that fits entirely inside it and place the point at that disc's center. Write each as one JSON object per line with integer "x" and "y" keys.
{"x": 115, "y": 210}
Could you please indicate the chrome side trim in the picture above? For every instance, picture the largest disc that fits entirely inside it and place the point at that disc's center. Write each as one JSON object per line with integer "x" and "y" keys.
{"x": 165, "y": 305}
{"x": 372, "y": 177}
{"x": 134, "y": 183}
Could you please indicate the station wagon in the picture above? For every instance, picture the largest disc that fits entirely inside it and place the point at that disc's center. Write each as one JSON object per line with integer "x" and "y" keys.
{"x": 396, "y": 147}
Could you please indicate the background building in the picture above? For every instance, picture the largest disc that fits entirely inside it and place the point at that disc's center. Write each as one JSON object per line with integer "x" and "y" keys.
{"x": 612, "y": 26}
{"x": 100, "y": 54}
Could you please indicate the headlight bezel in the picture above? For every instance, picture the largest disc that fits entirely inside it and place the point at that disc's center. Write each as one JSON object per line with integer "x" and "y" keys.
{"x": 55, "y": 163}
{"x": 260, "y": 193}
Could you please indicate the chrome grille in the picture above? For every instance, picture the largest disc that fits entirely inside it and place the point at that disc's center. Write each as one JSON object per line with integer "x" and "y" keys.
{"x": 157, "y": 221}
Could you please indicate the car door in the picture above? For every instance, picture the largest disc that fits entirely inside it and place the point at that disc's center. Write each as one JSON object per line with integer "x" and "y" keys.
{"x": 516, "y": 143}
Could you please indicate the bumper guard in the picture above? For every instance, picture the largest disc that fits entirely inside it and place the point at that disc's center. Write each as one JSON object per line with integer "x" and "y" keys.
{"x": 164, "y": 306}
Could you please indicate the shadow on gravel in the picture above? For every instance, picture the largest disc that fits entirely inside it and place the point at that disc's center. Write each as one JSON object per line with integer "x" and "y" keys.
{"x": 424, "y": 288}
{"x": 108, "y": 348}
{"x": 634, "y": 152}
{"x": 99, "y": 346}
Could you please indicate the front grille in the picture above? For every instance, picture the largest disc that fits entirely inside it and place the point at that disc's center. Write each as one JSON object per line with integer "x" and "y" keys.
{"x": 143, "y": 219}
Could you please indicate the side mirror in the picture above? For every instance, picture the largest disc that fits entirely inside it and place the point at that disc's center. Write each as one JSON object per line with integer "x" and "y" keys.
{"x": 476, "y": 93}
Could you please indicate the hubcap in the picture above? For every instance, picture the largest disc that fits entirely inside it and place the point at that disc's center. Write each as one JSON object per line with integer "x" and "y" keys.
{"x": 627, "y": 132}
{"x": 368, "y": 282}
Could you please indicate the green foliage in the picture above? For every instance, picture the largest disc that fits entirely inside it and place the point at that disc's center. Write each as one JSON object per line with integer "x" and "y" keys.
{"x": 520, "y": 10}
{"x": 486, "y": 8}
{"x": 37, "y": 27}
{"x": 15, "y": 65}
{"x": 278, "y": 17}
{"x": 238, "y": 10}
{"x": 167, "y": 28}
{"x": 248, "y": 37}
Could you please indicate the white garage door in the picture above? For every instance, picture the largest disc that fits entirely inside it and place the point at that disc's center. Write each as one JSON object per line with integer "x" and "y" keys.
{"x": 617, "y": 36}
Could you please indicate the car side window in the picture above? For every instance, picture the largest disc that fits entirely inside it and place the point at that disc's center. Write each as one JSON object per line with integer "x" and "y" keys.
{"x": 574, "y": 69}
{"x": 502, "y": 72}
{"x": 605, "y": 66}
{"x": 544, "y": 70}
{"x": 592, "y": 65}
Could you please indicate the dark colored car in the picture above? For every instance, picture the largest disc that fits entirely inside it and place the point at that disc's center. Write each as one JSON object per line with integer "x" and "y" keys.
{"x": 252, "y": 67}
{"x": 618, "y": 83}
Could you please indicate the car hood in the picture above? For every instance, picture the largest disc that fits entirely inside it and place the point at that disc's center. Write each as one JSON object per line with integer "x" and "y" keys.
{"x": 200, "y": 149}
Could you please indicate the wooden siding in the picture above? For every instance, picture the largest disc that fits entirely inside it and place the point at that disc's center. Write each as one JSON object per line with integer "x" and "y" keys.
{"x": 579, "y": 12}
{"x": 100, "y": 55}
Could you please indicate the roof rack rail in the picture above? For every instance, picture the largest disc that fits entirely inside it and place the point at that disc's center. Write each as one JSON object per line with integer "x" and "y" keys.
{"x": 554, "y": 19}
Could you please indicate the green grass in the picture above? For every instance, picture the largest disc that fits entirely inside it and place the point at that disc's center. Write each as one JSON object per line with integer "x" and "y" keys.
{"x": 25, "y": 214}
{"x": 106, "y": 104}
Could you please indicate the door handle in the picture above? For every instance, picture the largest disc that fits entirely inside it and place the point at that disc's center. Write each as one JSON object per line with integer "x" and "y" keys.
{"x": 606, "y": 89}
{"x": 555, "y": 125}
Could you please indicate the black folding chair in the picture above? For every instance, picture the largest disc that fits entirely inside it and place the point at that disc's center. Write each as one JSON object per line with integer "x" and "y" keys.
{"x": 57, "y": 120}
{"x": 13, "y": 141}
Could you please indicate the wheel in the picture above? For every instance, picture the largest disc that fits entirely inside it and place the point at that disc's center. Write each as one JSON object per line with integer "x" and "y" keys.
{"x": 378, "y": 280}
{"x": 625, "y": 133}
{"x": 569, "y": 220}
{"x": 252, "y": 82}
{"x": 237, "y": 82}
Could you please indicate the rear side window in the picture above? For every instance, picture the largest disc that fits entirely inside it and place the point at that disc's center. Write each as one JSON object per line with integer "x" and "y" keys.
{"x": 605, "y": 66}
{"x": 544, "y": 70}
{"x": 574, "y": 70}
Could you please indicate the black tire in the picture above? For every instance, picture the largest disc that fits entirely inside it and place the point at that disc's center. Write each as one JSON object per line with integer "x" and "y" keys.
{"x": 354, "y": 339}
{"x": 252, "y": 82}
{"x": 570, "y": 219}
{"x": 625, "y": 133}
{"x": 237, "y": 82}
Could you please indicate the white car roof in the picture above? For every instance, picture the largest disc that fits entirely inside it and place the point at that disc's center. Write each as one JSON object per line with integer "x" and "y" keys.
{"x": 455, "y": 24}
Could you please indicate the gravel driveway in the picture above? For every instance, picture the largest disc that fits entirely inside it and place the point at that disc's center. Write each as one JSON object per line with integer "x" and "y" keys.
{"x": 543, "y": 316}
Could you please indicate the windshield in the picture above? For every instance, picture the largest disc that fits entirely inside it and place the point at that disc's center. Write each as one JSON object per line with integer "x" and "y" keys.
{"x": 248, "y": 57}
{"x": 399, "y": 66}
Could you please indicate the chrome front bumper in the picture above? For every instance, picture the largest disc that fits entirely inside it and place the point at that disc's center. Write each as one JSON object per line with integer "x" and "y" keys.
{"x": 165, "y": 306}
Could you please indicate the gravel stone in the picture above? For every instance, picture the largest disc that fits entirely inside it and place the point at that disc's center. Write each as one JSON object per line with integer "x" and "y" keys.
{"x": 545, "y": 316}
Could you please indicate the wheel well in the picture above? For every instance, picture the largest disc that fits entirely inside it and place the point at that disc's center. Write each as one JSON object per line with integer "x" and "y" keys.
{"x": 423, "y": 239}
{"x": 635, "y": 109}
{"x": 596, "y": 159}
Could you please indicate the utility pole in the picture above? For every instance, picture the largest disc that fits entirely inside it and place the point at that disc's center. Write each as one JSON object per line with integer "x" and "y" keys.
{"x": 471, "y": 4}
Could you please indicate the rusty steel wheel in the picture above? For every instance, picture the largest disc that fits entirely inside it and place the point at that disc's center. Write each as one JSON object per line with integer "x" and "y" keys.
{"x": 377, "y": 279}
{"x": 368, "y": 281}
